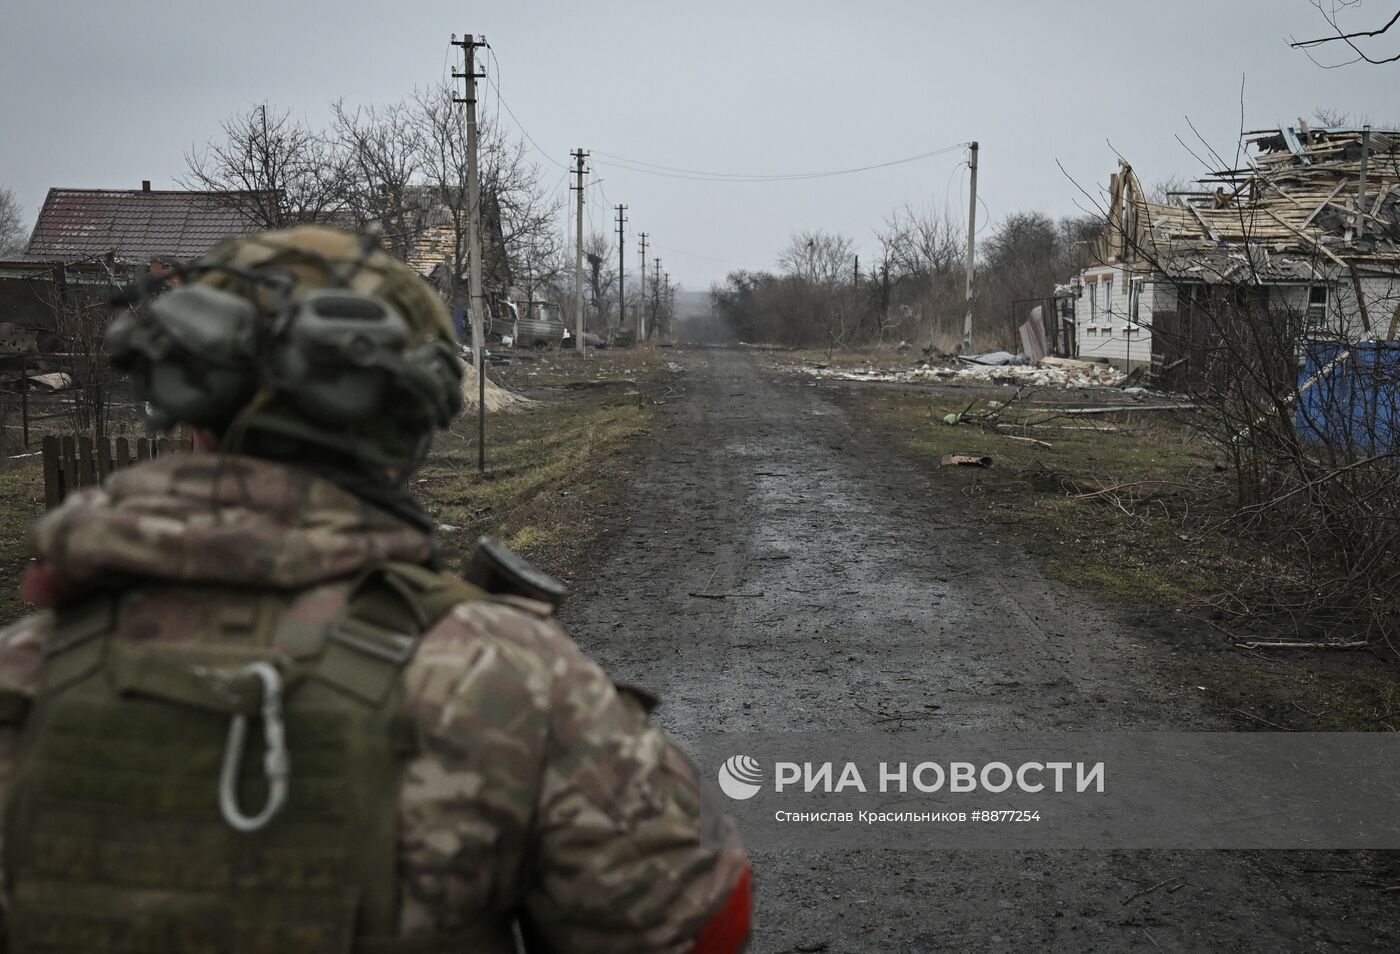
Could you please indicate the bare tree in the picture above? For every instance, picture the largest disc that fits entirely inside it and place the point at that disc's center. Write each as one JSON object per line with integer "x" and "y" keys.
{"x": 1356, "y": 42}
{"x": 271, "y": 166}
{"x": 11, "y": 225}
{"x": 80, "y": 324}
{"x": 524, "y": 216}
{"x": 600, "y": 259}
{"x": 821, "y": 258}
{"x": 922, "y": 253}
{"x": 383, "y": 151}
{"x": 919, "y": 244}
{"x": 1331, "y": 117}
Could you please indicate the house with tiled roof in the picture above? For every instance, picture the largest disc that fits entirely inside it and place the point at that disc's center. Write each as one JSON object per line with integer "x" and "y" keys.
{"x": 132, "y": 227}
{"x": 88, "y": 242}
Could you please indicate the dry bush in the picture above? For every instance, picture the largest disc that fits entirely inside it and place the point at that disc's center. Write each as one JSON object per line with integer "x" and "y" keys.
{"x": 1307, "y": 431}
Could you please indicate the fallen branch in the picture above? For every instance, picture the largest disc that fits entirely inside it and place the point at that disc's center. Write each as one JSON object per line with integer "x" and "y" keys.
{"x": 1250, "y": 715}
{"x": 1301, "y": 644}
{"x": 725, "y": 596}
{"x": 1135, "y": 896}
{"x": 1028, "y": 440}
{"x": 1123, "y": 409}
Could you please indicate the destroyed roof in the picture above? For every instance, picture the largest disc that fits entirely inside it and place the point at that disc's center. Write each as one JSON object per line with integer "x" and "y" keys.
{"x": 433, "y": 241}
{"x": 430, "y": 247}
{"x": 1290, "y": 215}
{"x": 132, "y": 225}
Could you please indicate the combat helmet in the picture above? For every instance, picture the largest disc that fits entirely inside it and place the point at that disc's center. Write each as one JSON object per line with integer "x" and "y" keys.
{"x": 304, "y": 341}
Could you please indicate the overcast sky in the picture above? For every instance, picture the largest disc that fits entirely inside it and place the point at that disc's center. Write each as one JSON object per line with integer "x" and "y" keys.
{"x": 105, "y": 94}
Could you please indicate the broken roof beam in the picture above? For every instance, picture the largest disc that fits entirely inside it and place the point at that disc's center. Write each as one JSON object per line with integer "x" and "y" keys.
{"x": 1323, "y": 204}
{"x": 1210, "y": 232}
{"x": 1315, "y": 243}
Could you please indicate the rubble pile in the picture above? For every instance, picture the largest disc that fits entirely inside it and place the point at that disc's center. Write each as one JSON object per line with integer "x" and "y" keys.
{"x": 1050, "y": 372}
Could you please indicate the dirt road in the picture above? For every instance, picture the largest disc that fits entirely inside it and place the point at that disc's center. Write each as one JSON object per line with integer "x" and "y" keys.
{"x": 883, "y": 594}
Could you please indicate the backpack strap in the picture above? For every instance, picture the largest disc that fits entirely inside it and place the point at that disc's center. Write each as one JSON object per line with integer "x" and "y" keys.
{"x": 389, "y": 609}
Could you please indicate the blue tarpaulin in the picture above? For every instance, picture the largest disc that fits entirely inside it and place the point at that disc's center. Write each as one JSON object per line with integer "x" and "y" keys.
{"x": 1350, "y": 395}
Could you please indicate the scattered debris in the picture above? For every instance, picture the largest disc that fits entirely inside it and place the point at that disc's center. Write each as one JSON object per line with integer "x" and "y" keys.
{"x": 966, "y": 460}
{"x": 995, "y": 359}
{"x": 1060, "y": 374}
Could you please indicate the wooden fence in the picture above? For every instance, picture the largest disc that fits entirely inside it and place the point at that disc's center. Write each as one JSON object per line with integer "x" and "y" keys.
{"x": 70, "y": 463}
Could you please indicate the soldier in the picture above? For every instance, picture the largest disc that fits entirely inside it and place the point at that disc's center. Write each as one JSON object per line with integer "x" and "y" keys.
{"x": 255, "y": 716}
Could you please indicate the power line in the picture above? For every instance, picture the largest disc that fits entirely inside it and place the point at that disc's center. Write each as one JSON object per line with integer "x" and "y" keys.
{"x": 672, "y": 172}
{"x": 501, "y": 100}
{"x": 707, "y": 258}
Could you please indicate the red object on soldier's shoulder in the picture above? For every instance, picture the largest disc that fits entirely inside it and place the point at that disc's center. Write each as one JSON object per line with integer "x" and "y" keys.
{"x": 43, "y": 585}
{"x": 728, "y": 930}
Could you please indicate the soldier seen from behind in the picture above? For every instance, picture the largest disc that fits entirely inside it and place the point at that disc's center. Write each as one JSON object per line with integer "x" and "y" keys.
{"x": 256, "y": 715}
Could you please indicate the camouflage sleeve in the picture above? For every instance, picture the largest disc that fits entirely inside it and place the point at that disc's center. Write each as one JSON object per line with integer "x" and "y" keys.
{"x": 625, "y": 857}
{"x": 21, "y": 656}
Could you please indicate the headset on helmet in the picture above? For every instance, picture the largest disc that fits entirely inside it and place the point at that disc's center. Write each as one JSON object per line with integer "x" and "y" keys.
{"x": 311, "y": 336}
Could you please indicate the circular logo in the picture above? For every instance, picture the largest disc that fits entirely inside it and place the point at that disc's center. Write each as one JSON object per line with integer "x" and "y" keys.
{"x": 740, "y": 777}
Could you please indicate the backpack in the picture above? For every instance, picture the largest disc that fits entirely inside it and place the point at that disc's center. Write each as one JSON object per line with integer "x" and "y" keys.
{"x": 223, "y": 796}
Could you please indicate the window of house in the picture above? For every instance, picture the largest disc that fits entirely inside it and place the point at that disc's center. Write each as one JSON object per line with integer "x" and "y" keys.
{"x": 1317, "y": 307}
{"x": 1108, "y": 300}
{"x": 1093, "y": 304}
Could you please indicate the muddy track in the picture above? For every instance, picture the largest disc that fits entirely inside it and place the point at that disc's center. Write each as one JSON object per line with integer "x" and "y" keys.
{"x": 858, "y": 587}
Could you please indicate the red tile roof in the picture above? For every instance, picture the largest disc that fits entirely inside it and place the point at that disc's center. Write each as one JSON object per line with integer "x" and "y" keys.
{"x": 135, "y": 225}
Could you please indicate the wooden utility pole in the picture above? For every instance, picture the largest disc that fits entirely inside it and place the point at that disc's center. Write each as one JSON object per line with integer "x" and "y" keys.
{"x": 655, "y": 296}
{"x": 971, "y": 246}
{"x": 469, "y": 75}
{"x": 642, "y": 296}
{"x": 670, "y": 302}
{"x": 579, "y": 155}
{"x": 621, "y": 268}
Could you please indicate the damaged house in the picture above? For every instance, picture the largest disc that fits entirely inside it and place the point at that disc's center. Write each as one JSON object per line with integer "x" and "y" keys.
{"x": 1308, "y": 229}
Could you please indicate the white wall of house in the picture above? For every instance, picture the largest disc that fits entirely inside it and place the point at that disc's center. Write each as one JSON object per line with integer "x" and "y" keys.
{"x": 1113, "y": 327}
{"x": 1113, "y": 317}
{"x": 1332, "y": 307}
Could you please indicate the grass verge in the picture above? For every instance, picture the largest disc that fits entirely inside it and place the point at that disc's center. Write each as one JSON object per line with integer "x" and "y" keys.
{"x": 1117, "y": 502}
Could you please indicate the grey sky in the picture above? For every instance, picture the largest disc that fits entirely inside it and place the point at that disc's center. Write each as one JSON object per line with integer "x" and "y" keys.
{"x": 105, "y": 94}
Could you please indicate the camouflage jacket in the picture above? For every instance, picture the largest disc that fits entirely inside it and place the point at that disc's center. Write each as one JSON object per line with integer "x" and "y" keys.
{"x": 542, "y": 793}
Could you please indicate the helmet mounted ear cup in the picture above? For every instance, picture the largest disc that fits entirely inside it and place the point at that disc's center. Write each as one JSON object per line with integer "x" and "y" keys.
{"x": 191, "y": 352}
{"x": 336, "y": 354}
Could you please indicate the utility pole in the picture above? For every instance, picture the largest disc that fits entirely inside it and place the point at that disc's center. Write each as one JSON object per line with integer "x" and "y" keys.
{"x": 579, "y": 155}
{"x": 670, "y": 303}
{"x": 469, "y": 75}
{"x": 621, "y": 250}
{"x": 855, "y": 276}
{"x": 656, "y": 296}
{"x": 971, "y": 246}
{"x": 642, "y": 296}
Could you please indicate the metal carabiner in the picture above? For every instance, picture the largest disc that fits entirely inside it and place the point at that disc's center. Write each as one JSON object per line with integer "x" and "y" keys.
{"x": 276, "y": 763}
